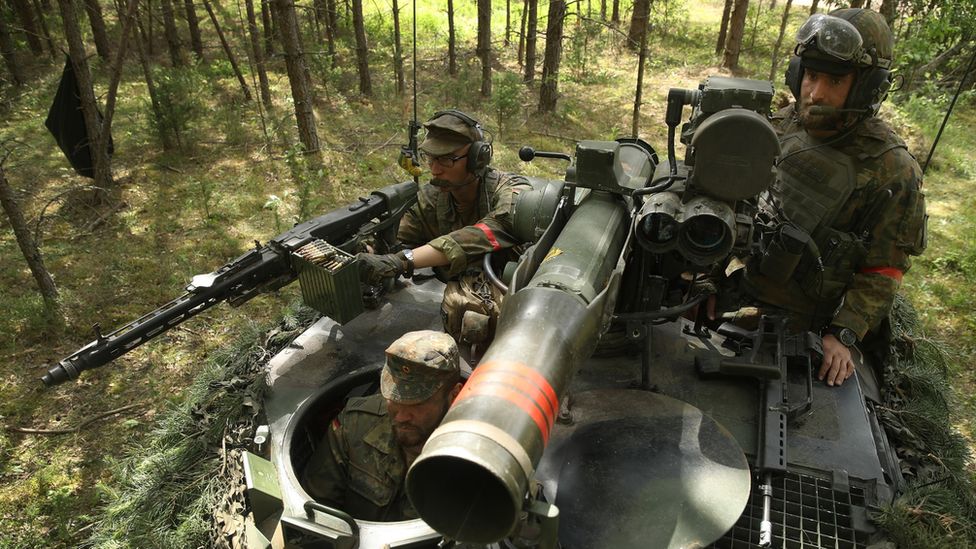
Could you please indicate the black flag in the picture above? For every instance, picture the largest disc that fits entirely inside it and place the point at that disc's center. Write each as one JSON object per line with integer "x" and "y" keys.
{"x": 66, "y": 122}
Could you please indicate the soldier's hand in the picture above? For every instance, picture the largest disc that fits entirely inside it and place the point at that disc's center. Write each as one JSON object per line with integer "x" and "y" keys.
{"x": 837, "y": 362}
{"x": 373, "y": 269}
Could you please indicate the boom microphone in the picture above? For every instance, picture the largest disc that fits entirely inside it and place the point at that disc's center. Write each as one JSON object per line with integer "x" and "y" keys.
{"x": 826, "y": 110}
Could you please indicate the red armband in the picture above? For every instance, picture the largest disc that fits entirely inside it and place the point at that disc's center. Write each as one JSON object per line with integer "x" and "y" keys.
{"x": 889, "y": 272}
{"x": 490, "y": 235}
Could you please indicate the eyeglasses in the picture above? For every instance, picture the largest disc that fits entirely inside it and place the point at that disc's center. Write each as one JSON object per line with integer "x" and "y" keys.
{"x": 444, "y": 160}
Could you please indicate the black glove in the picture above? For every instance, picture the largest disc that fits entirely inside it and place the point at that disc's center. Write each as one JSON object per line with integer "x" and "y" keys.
{"x": 373, "y": 269}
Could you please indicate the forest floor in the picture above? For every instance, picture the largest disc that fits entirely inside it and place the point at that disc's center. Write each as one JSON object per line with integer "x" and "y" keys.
{"x": 179, "y": 213}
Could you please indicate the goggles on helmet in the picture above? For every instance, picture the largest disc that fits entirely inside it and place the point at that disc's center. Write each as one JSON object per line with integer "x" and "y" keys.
{"x": 832, "y": 36}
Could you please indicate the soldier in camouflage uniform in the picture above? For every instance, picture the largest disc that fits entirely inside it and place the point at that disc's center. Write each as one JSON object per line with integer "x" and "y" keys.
{"x": 847, "y": 181}
{"x": 465, "y": 212}
{"x": 361, "y": 463}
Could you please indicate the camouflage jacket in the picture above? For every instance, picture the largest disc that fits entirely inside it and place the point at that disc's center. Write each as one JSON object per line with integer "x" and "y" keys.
{"x": 881, "y": 231}
{"x": 358, "y": 466}
{"x": 464, "y": 239}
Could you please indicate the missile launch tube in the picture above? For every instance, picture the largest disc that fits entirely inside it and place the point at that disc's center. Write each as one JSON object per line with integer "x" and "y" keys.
{"x": 470, "y": 480}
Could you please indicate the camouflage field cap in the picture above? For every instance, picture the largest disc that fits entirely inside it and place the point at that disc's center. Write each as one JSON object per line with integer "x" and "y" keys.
{"x": 447, "y": 133}
{"x": 417, "y": 365}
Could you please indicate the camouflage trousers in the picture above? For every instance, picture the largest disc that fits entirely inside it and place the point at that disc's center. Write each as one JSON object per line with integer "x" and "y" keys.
{"x": 470, "y": 308}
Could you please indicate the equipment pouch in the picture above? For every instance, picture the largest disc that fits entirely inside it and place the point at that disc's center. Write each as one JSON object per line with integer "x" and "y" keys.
{"x": 841, "y": 254}
{"x": 783, "y": 252}
{"x": 912, "y": 231}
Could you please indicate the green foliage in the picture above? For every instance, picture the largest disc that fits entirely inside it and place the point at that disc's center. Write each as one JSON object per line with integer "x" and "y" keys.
{"x": 274, "y": 205}
{"x": 506, "y": 97}
{"x": 178, "y": 92}
{"x": 309, "y": 180}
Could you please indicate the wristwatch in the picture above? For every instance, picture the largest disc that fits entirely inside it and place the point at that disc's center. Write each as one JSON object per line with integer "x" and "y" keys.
{"x": 846, "y": 336}
{"x": 407, "y": 254}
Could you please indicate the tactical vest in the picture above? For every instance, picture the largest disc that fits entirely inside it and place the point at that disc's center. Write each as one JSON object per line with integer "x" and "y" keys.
{"x": 814, "y": 184}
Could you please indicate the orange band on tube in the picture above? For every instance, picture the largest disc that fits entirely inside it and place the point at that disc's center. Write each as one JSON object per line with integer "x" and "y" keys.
{"x": 518, "y": 384}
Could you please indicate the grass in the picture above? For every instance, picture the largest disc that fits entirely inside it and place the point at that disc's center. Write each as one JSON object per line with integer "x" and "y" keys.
{"x": 188, "y": 211}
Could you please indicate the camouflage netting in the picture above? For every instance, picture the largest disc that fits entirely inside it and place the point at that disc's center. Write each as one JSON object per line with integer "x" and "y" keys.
{"x": 938, "y": 507}
{"x": 185, "y": 487}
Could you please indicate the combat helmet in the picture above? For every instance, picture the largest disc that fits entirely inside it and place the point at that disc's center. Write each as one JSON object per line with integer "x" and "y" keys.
{"x": 844, "y": 41}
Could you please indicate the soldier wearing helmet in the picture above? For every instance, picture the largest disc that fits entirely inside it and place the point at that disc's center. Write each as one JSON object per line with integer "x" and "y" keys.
{"x": 462, "y": 214}
{"x": 361, "y": 463}
{"x": 847, "y": 182}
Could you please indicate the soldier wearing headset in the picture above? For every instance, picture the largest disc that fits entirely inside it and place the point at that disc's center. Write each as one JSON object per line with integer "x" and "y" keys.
{"x": 462, "y": 214}
{"x": 848, "y": 183}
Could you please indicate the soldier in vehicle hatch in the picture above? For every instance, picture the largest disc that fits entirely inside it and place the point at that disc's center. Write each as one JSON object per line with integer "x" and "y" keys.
{"x": 847, "y": 205}
{"x": 361, "y": 463}
{"x": 464, "y": 213}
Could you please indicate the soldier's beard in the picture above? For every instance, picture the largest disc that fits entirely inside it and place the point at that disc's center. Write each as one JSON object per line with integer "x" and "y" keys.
{"x": 820, "y": 122}
{"x": 446, "y": 185}
{"x": 414, "y": 435}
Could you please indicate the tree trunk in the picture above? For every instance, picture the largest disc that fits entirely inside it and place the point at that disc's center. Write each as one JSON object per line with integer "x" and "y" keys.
{"x": 779, "y": 40}
{"x": 484, "y": 45}
{"x": 172, "y": 37}
{"x": 330, "y": 29}
{"x": 857, "y": 3}
{"x": 723, "y": 28}
{"x": 639, "y": 93}
{"x": 196, "y": 42}
{"x": 737, "y": 27}
{"x": 255, "y": 36}
{"x": 94, "y": 10}
{"x": 164, "y": 135}
{"x": 615, "y": 13}
{"x": 813, "y": 6}
{"x": 116, "y": 75}
{"x": 227, "y": 50}
{"x": 29, "y": 248}
{"x": 9, "y": 52}
{"x": 401, "y": 83}
{"x": 549, "y": 90}
{"x": 889, "y": 9}
{"x": 638, "y": 23}
{"x": 301, "y": 88}
{"x": 362, "y": 49}
{"x": 147, "y": 28}
{"x": 51, "y": 48}
{"x": 772, "y": 5}
{"x": 508, "y": 23}
{"x": 28, "y": 25}
{"x": 531, "y": 40}
{"x": 521, "y": 46}
{"x": 451, "y": 40}
{"x": 101, "y": 163}
{"x": 267, "y": 23}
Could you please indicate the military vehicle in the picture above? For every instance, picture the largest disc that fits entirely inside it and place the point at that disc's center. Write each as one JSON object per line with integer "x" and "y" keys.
{"x": 598, "y": 416}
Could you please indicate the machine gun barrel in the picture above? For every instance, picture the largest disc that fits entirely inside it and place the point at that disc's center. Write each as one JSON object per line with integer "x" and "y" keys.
{"x": 263, "y": 269}
{"x": 470, "y": 481}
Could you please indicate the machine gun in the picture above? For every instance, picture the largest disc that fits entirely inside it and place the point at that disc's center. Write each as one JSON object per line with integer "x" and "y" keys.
{"x": 773, "y": 356}
{"x": 318, "y": 252}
